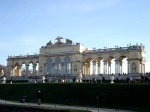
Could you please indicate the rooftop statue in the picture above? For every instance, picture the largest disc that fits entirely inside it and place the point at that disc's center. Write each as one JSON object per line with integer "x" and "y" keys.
{"x": 68, "y": 41}
{"x": 49, "y": 43}
{"x": 59, "y": 40}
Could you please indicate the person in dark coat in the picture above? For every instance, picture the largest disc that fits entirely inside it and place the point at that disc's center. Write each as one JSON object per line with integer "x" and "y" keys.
{"x": 39, "y": 96}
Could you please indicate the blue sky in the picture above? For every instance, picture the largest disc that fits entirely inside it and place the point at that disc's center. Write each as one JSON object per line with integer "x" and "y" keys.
{"x": 26, "y": 25}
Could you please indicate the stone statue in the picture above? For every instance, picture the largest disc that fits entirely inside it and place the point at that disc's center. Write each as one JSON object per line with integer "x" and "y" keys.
{"x": 59, "y": 39}
{"x": 59, "y": 42}
{"x": 68, "y": 41}
{"x": 49, "y": 43}
{"x": 80, "y": 76}
{"x": 2, "y": 73}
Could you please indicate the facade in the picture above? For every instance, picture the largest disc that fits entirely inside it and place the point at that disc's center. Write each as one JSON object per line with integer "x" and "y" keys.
{"x": 67, "y": 58}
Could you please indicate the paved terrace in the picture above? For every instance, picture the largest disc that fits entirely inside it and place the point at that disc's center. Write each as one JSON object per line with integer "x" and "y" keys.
{"x": 54, "y": 106}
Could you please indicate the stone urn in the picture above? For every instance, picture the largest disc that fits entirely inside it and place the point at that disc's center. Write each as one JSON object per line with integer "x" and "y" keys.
{"x": 112, "y": 79}
{"x": 4, "y": 80}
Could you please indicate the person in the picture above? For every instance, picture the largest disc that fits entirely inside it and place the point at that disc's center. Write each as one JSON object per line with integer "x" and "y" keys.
{"x": 39, "y": 96}
{"x": 117, "y": 80}
{"x": 74, "y": 79}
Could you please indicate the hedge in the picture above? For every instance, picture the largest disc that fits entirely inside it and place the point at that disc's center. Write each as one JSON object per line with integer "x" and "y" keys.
{"x": 117, "y": 94}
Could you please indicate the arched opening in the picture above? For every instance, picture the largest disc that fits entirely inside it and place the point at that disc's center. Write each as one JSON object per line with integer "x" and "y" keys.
{"x": 30, "y": 71}
{"x": 111, "y": 67}
{"x": 99, "y": 65}
{"x": 57, "y": 66}
{"x": 122, "y": 65}
{"x": 16, "y": 70}
{"x": 49, "y": 66}
{"x": 23, "y": 69}
{"x": 37, "y": 68}
{"x": 67, "y": 65}
{"x": 88, "y": 66}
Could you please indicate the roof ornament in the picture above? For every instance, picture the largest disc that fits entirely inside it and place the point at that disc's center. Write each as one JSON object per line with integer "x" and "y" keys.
{"x": 59, "y": 40}
{"x": 68, "y": 41}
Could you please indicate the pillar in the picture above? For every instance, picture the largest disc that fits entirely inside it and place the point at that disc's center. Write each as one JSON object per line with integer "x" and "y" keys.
{"x": 27, "y": 70}
{"x": 116, "y": 66}
{"x": 19, "y": 70}
{"x": 34, "y": 69}
{"x": 83, "y": 68}
{"x": 128, "y": 67}
{"x": 98, "y": 67}
{"x": 109, "y": 68}
{"x": 94, "y": 67}
{"x": 70, "y": 68}
{"x": 62, "y": 70}
{"x": 105, "y": 66}
{"x": 120, "y": 67}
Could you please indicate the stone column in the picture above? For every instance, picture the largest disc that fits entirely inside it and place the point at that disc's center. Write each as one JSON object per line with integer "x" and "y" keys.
{"x": 91, "y": 72}
{"x": 116, "y": 69}
{"x": 44, "y": 68}
{"x": 109, "y": 68}
{"x": 144, "y": 68}
{"x": 89, "y": 68}
{"x": 128, "y": 67}
{"x": 83, "y": 68}
{"x": 34, "y": 69}
{"x": 116, "y": 66}
{"x": 94, "y": 67}
{"x": 27, "y": 70}
{"x": 141, "y": 67}
{"x": 19, "y": 70}
{"x": 105, "y": 66}
{"x": 85, "y": 71}
{"x": 98, "y": 67}
{"x": 120, "y": 67}
{"x": 62, "y": 70}
{"x": 71, "y": 68}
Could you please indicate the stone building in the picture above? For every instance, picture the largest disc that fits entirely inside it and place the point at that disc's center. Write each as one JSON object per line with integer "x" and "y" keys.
{"x": 68, "y": 58}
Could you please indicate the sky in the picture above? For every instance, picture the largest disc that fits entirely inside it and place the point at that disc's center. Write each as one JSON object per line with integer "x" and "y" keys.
{"x": 26, "y": 25}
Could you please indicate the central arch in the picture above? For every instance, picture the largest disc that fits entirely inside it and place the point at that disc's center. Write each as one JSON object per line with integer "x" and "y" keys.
{"x": 57, "y": 66}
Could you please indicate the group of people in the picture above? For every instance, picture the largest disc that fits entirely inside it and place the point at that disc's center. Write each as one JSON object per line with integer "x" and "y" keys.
{"x": 143, "y": 79}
